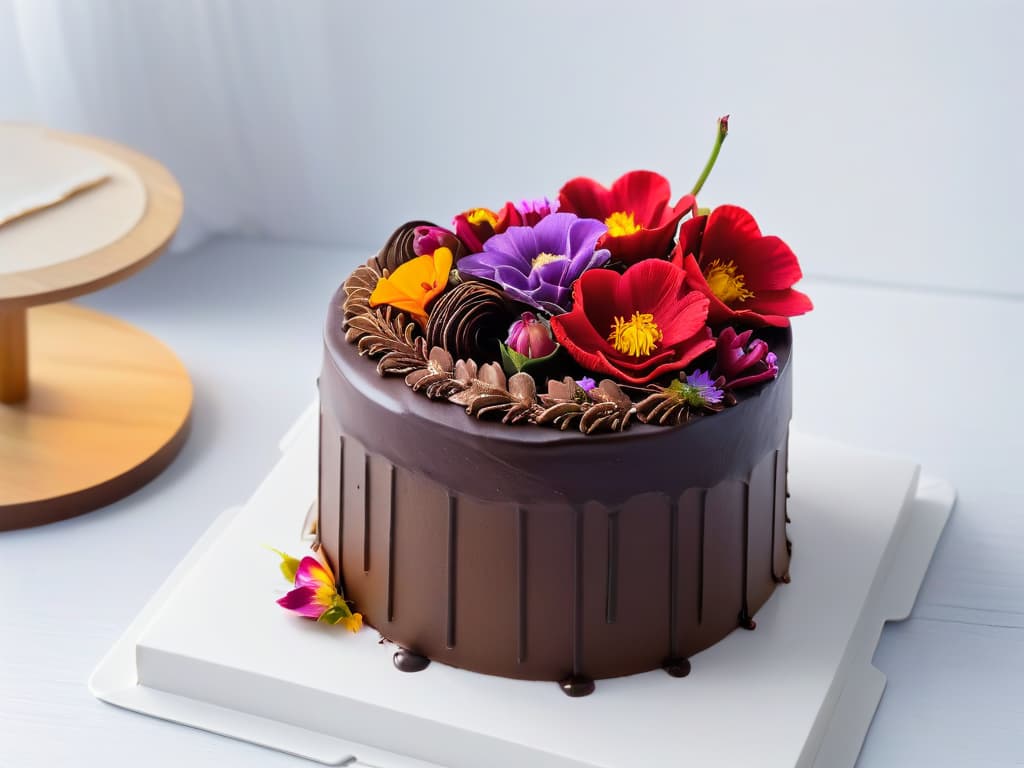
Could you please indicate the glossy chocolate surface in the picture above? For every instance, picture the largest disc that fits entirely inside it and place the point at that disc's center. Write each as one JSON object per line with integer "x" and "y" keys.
{"x": 533, "y": 553}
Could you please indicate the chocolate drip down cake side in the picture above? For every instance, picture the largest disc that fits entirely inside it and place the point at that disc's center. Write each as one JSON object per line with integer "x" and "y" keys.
{"x": 553, "y": 438}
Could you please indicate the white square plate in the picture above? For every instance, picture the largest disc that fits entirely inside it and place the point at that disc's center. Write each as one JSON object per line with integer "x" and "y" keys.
{"x": 212, "y": 650}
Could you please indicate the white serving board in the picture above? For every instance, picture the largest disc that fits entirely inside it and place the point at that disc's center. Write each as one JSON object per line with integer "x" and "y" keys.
{"x": 212, "y": 649}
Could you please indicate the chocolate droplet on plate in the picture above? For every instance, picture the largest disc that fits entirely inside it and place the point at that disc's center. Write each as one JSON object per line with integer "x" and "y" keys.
{"x": 677, "y": 667}
{"x": 407, "y": 661}
{"x": 577, "y": 686}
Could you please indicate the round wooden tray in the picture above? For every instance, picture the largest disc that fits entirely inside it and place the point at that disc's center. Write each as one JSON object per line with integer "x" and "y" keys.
{"x": 91, "y": 408}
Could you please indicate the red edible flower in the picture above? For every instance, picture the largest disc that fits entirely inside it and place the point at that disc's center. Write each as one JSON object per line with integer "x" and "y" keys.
{"x": 747, "y": 276}
{"x": 641, "y": 223}
{"x": 478, "y": 225}
{"x": 635, "y": 326}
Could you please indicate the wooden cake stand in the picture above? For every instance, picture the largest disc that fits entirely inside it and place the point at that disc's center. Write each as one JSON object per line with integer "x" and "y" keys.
{"x": 91, "y": 408}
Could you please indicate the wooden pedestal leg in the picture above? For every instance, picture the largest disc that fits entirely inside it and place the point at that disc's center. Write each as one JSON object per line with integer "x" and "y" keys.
{"x": 13, "y": 355}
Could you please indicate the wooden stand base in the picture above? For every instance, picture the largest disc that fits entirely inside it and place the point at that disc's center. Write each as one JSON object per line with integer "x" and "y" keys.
{"x": 107, "y": 409}
{"x": 13, "y": 355}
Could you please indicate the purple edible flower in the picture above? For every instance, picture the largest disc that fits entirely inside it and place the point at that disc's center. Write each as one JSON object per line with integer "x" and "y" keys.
{"x": 538, "y": 265}
{"x": 586, "y": 383}
{"x": 532, "y": 211}
{"x": 743, "y": 366}
{"x": 530, "y": 337}
{"x": 703, "y": 386}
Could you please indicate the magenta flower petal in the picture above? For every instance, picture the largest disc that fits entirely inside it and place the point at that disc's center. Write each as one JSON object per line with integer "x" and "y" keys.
{"x": 427, "y": 239}
{"x": 312, "y": 573}
{"x": 532, "y": 211}
{"x": 302, "y": 600}
{"x": 742, "y": 365}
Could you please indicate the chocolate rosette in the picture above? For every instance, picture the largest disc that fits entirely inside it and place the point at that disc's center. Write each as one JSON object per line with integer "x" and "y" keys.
{"x": 469, "y": 320}
{"x": 399, "y": 247}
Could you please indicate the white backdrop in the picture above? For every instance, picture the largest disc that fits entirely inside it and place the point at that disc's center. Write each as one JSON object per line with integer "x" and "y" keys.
{"x": 883, "y": 140}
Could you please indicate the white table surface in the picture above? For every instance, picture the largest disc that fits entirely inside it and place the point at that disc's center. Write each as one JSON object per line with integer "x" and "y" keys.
{"x": 929, "y": 375}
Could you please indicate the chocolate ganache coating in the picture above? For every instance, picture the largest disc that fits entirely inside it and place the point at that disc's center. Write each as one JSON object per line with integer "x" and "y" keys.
{"x": 546, "y": 555}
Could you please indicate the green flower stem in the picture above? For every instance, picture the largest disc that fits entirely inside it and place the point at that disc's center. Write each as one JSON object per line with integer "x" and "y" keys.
{"x": 723, "y": 131}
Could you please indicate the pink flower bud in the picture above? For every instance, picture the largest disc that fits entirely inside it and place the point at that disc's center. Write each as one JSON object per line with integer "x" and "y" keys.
{"x": 426, "y": 240}
{"x": 530, "y": 337}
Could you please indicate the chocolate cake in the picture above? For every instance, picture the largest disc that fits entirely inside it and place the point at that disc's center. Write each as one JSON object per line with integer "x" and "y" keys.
{"x": 569, "y": 461}
{"x": 544, "y": 554}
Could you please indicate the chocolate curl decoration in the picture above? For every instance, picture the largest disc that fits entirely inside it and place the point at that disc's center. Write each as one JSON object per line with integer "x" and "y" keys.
{"x": 399, "y": 247}
{"x": 468, "y": 320}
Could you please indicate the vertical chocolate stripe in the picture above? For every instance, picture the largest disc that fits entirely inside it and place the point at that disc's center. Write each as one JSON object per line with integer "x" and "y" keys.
{"x": 577, "y": 589}
{"x": 780, "y": 553}
{"x": 520, "y": 585}
{"x": 452, "y": 523}
{"x": 366, "y": 512}
{"x": 775, "y": 506}
{"x": 700, "y": 556}
{"x": 745, "y": 606}
{"x": 673, "y": 577}
{"x": 786, "y": 503}
{"x": 612, "y": 575}
{"x": 390, "y": 598}
{"x": 341, "y": 501}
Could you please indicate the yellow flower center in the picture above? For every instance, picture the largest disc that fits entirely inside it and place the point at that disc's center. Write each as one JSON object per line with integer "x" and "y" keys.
{"x": 622, "y": 223}
{"x": 545, "y": 258}
{"x": 479, "y": 216}
{"x": 636, "y": 336}
{"x": 726, "y": 283}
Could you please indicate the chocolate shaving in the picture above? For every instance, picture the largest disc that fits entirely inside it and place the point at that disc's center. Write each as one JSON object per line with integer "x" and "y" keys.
{"x": 436, "y": 378}
{"x": 487, "y": 397}
{"x": 562, "y": 415}
{"x": 468, "y": 320}
{"x": 606, "y": 408}
{"x": 663, "y": 408}
{"x": 611, "y": 410}
{"x": 465, "y": 371}
{"x": 564, "y": 391}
